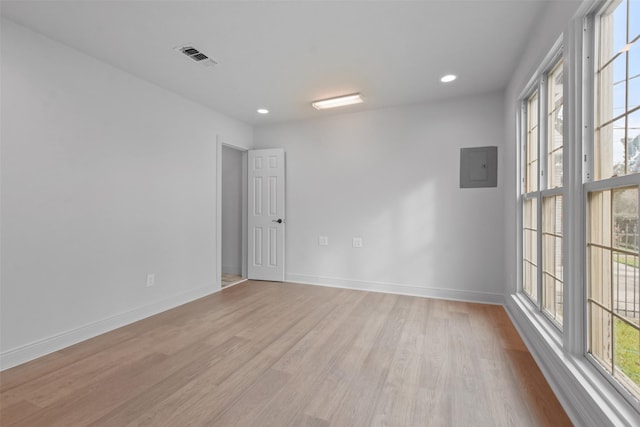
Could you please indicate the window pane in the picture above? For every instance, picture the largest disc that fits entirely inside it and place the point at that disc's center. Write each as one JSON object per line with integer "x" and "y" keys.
{"x": 634, "y": 19}
{"x": 625, "y": 218}
{"x": 552, "y": 299}
{"x": 600, "y": 276}
{"x": 532, "y": 177}
{"x": 618, "y": 94}
{"x": 555, "y": 87}
{"x": 554, "y": 126}
{"x": 552, "y": 256}
{"x": 530, "y": 280}
{"x": 614, "y": 283}
{"x": 599, "y": 242}
{"x": 613, "y": 30}
{"x": 600, "y": 335}
{"x": 634, "y": 76}
{"x": 552, "y": 228}
{"x": 532, "y": 112}
{"x": 611, "y": 90}
{"x": 625, "y": 286}
{"x": 610, "y": 150}
{"x": 530, "y": 248}
{"x": 532, "y": 144}
{"x": 633, "y": 138}
{"x": 600, "y": 218}
{"x": 555, "y": 169}
{"x": 627, "y": 354}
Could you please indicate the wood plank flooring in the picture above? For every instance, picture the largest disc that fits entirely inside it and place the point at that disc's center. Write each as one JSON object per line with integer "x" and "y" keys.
{"x": 280, "y": 354}
{"x": 230, "y": 279}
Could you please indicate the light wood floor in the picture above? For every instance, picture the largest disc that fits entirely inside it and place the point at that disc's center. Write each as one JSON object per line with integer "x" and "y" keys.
{"x": 274, "y": 354}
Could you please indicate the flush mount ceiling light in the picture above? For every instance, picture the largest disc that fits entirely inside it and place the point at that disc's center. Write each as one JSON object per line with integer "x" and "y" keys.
{"x": 339, "y": 101}
{"x": 448, "y": 78}
{"x": 263, "y": 111}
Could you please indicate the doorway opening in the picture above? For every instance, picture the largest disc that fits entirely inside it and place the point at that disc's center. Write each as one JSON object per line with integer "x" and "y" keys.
{"x": 233, "y": 188}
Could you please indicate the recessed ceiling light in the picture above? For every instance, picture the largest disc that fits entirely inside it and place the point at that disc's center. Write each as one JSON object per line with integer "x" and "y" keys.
{"x": 263, "y": 111}
{"x": 339, "y": 101}
{"x": 448, "y": 78}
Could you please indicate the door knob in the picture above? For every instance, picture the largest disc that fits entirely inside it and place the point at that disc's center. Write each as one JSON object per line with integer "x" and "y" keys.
{"x": 279, "y": 220}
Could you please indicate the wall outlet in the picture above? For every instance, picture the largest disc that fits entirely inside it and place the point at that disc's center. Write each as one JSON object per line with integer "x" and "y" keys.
{"x": 357, "y": 242}
{"x": 151, "y": 279}
{"x": 323, "y": 241}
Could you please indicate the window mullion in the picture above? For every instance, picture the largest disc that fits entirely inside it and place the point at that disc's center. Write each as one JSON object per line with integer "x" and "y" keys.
{"x": 556, "y": 191}
{"x": 577, "y": 137}
{"x": 542, "y": 182}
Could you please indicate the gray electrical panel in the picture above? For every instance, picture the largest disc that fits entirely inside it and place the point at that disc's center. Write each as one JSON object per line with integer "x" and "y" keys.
{"x": 478, "y": 167}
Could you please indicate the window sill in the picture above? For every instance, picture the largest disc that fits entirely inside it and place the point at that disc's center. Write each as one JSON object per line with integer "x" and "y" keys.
{"x": 586, "y": 395}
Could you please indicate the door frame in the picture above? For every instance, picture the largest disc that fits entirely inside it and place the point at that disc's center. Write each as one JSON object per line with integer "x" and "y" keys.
{"x": 220, "y": 142}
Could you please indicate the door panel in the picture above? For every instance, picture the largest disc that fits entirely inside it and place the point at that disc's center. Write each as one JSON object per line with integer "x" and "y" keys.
{"x": 266, "y": 214}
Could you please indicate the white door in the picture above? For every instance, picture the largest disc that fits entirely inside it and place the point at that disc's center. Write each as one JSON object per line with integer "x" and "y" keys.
{"x": 266, "y": 214}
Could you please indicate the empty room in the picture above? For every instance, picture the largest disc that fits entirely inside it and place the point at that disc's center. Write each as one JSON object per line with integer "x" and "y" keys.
{"x": 320, "y": 213}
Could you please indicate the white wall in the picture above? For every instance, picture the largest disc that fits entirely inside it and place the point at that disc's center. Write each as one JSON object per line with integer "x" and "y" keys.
{"x": 231, "y": 211}
{"x": 392, "y": 177}
{"x": 105, "y": 178}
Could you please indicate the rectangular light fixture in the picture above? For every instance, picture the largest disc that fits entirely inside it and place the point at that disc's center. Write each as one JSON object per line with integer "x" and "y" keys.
{"x": 339, "y": 101}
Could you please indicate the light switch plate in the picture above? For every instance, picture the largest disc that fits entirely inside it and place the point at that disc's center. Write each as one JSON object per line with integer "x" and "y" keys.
{"x": 357, "y": 242}
{"x": 323, "y": 241}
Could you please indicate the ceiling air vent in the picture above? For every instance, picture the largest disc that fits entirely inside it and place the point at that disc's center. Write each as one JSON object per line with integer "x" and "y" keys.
{"x": 197, "y": 56}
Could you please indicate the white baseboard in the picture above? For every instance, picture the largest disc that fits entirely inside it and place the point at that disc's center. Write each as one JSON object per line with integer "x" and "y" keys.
{"x": 28, "y": 352}
{"x": 586, "y": 397}
{"x": 397, "y": 288}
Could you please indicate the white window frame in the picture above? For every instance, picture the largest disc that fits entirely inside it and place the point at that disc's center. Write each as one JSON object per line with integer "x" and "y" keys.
{"x": 587, "y": 394}
{"x": 591, "y": 38}
{"x": 539, "y": 83}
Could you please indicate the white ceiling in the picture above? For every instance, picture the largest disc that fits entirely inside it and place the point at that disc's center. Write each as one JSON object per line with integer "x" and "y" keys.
{"x": 283, "y": 55}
